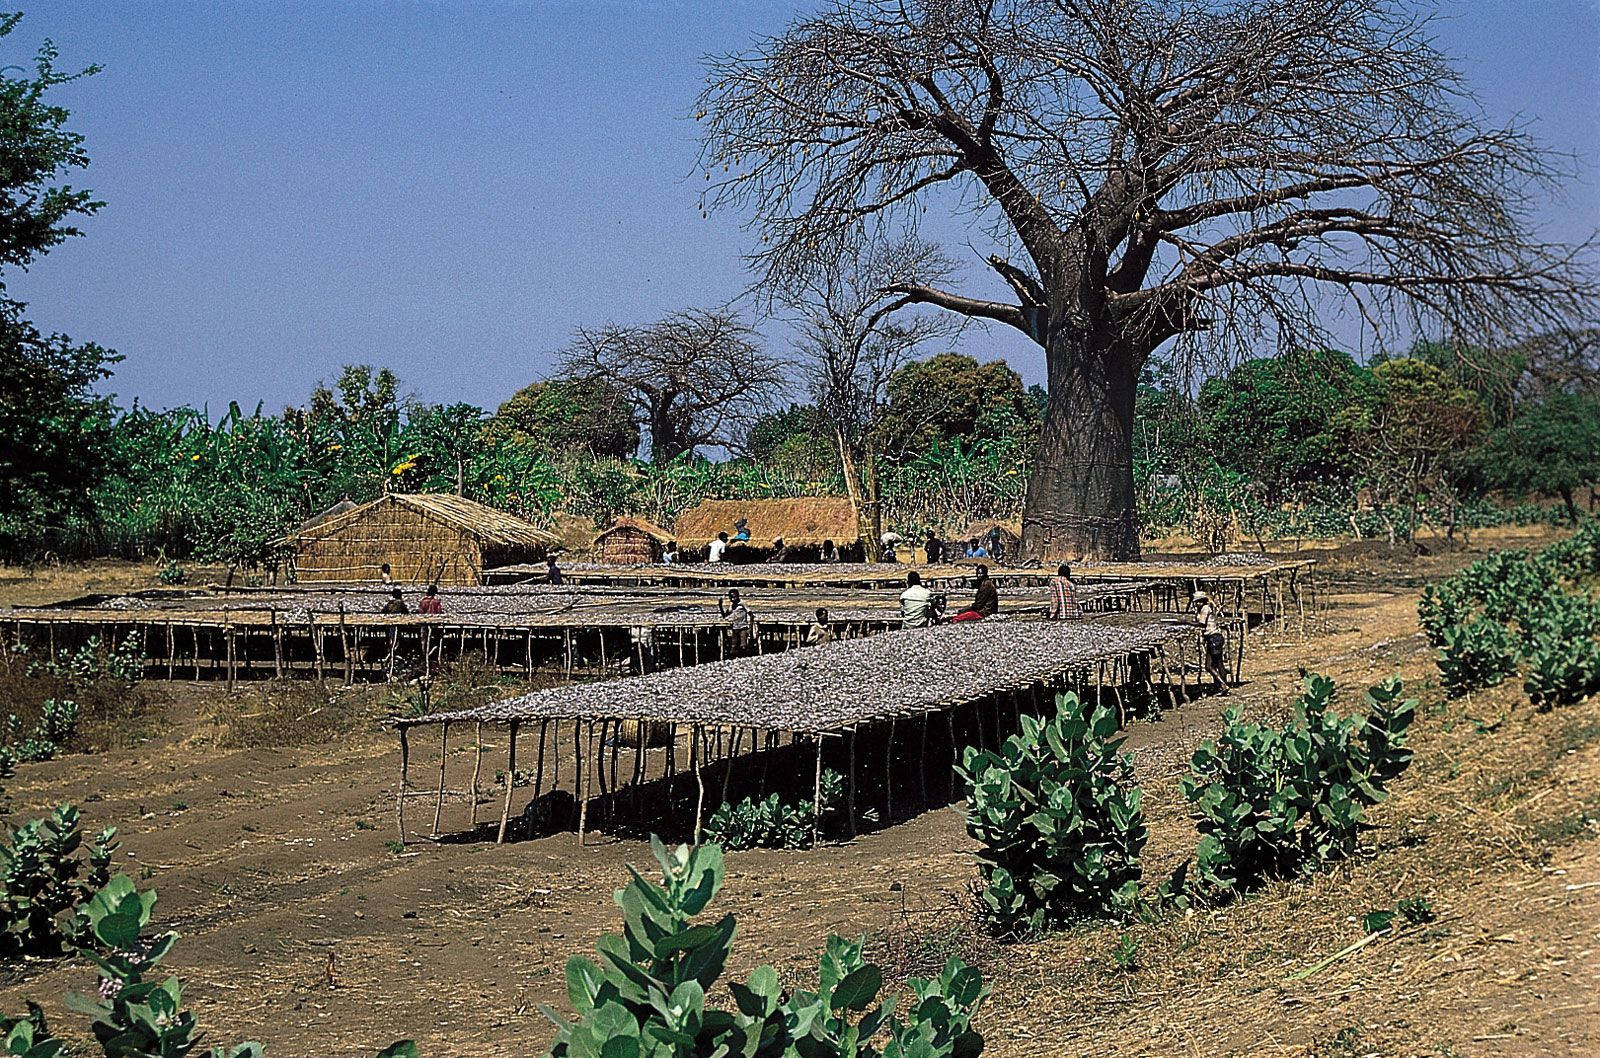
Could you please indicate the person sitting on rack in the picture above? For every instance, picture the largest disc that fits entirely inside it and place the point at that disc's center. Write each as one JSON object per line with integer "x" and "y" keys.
{"x": 985, "y": 599}
{"x": 552, "y": 572}
{"x": 717, "y": 547}
{"x": 1063, "y": 596}
{"x": 670, "y": 554}
{"x": 820, "y": 631}
{"x": 916, "y": 609}
{"x": 741, "y": 621}
{"x": 829, "y": 552}
{"x": 395, "y": 605}
{"x": 430, "y": 603}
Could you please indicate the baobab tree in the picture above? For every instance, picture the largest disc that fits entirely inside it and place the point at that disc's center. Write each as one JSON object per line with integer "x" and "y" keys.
{"x": 1144, "y": 172}
{"x": 696, "y": 377}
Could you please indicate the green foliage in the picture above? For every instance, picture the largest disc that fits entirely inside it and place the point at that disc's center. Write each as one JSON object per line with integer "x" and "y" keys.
{"x": 29, "y": 1036}
{"x": 950, "y": 396}
{"x": 1480, "y": 653}
{"x": 1289, "y": 402}
{"x": 1277, "y": 802}
{"x": 1556, "y": 638}
{"x": 1561, "y": 661}
{"x": 772, "y": 824}
{"x": 94, "y": 661}
{"x": 58, "y": 721}
{"x": 561, "y": 414}
{"x": 43, "y": 884}
{"x": 647, "y": 995}
{"x": 133, "y": 1015}
{"x": 172, "y": 573}
{"x": 1058, "y": 818}
{"x": 1551, "y": 447}
{"x": 55, "y": 431}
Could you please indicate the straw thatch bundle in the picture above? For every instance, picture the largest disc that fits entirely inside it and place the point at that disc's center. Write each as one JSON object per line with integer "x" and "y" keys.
{"x": 423, "y": 538}
{"x": 630, "y": 541}
{"x": 802, "y": 523}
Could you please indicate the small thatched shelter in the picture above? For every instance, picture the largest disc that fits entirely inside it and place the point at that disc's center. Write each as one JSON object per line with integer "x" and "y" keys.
{"x": 630, "y": 541}
{"x": 425, "y": 539}
{"x": 802, "y": 524}
{"x": 984, "y": 530}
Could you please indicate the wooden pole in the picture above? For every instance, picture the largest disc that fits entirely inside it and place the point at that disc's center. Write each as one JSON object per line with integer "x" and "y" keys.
{"x": 888, "y": 775}
{"x": 400, "y": 798}
{"x": 444, "y": 748}
{"x": 511, "y": 784}
{"x": 277, "y": 643}
{"x": 538, "y": 775}
{"x": 850, "y": 785}
{"x": 699, "y": 780}
{"x": 477, "y": 770}
{"x": 816, "y": 798}
{"x": 955, "y": 755}
{"x": 584, "y": 752}
{"x": 922, "y": 759}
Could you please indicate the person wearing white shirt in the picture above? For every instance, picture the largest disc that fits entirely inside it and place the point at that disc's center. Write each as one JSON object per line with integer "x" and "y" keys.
{"x": 718, "y": 546}
{"x": 916, "y": 603}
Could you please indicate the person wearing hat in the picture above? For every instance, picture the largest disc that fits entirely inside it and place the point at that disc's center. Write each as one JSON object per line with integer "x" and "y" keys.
{"x": 1211, "y": 636}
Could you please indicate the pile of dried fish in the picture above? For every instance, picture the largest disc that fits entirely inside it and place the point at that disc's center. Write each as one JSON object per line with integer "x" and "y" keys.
{"x": 832, "y": 687}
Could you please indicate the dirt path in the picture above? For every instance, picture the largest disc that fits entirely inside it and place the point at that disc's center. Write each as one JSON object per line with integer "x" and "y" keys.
{"x": 303, "y": 928}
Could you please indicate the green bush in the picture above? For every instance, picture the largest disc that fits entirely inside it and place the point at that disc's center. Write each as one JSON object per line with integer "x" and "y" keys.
{"x": 772, "y": 824}
{"x": 172, "y": 573}
{"x": 58, "y": 721}
{"x": 1058, "y": 817}
{"x": 1561, "y": 650}
{"x": 1277, "y": 802}
{"x": 1480, "y": 653}
{"x": 647, "y": 994}
{"x": 41, "y": 889}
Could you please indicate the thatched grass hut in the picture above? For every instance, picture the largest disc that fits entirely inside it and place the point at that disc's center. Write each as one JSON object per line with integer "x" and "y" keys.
{"x": 425, "y": 539}
{"x": 984, "y": 530}
{"x": 630, "y": 541}
{"x": 803, "y": 524}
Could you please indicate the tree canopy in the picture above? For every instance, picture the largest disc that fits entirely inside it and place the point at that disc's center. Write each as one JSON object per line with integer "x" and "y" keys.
{"x": 1146, "y": 170}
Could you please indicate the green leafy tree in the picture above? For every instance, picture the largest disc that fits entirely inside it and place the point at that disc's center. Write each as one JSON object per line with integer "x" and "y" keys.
{"x": 1271, "y": 418}
{"x": 55, "y": 431}
{"x": 571, "y": 414}
{"x": 37, "y": 210}
{"x": 52, "y": 425}
{"x": 949, "y": 396}
{"x": 1552, "y": 447}
{"x": 1402, "y": 431}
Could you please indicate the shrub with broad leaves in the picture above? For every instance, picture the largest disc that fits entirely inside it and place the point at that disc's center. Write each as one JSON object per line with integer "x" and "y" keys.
{"x": 1561, "y": 650}
{"x": 646, "y": 997}
{"x": 1480, "y": 653}
{"x": 772, "y": 823}
{"x": 43, "y": 882}
{"x": 1278, "y": 802}
{"x": 1058, "y": 817}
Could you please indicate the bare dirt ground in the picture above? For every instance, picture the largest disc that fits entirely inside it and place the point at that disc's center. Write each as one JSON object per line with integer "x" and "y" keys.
{"x": 304, "y": 928}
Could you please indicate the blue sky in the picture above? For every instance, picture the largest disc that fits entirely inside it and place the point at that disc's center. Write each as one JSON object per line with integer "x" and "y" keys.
{"x": 450, "y": 188}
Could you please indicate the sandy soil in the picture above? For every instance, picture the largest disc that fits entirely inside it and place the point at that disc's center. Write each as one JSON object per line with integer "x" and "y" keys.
{"x": 302, "y": 927}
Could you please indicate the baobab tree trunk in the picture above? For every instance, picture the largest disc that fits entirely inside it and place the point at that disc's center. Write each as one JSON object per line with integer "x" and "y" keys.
{"x": 1080, "y": 501}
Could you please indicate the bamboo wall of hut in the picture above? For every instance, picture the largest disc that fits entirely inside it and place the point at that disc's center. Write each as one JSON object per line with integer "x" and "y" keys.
{"x": 424, "y": 539}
